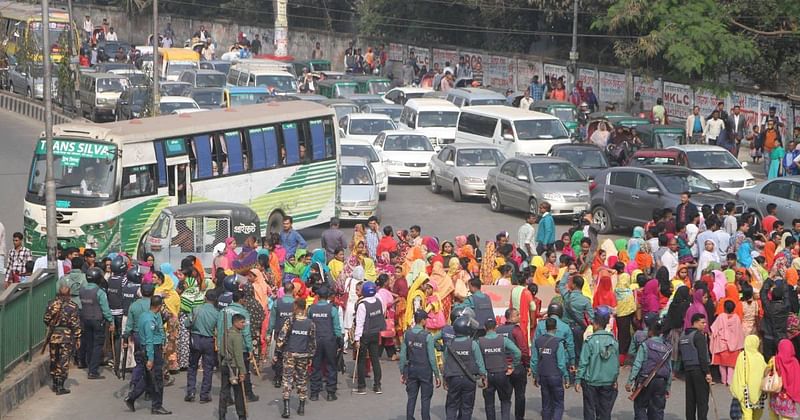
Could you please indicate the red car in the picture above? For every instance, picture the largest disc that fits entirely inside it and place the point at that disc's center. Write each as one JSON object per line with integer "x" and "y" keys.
{"x": 646, "y": 157}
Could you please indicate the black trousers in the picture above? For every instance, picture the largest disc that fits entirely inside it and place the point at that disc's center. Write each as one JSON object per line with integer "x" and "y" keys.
{"x": 460, "y": 399}
{"x": 696, "y": 395}
{"x": 324, "y": 358}
{"x": 422, "y": 384}
{"x": 650, "y": 403}
{"x": 92, "y": 339}
{"x": 500, "y": 383}
{"x": 153, "y": 381}
{"x": 225, "y": 392}
{"x": 369, "y": 344}
{"x": 598, "y": 401}
{"x": 519, "y": 381}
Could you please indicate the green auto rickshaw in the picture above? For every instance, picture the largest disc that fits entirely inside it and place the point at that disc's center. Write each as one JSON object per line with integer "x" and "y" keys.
{"x": 564, "y": 111}
{"x": 374, "y": 85}
{"x": 658, "y": 136}
{"x": 336, "y": 88}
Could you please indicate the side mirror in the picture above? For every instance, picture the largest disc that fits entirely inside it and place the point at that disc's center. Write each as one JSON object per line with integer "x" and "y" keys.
{"x": 653, "y": 190}
{"x": 744, "y": 164}
{"x": 716, "y": 185}
{"x": 341, "y": 133}
{"x": 508, "y": 137}
{"x": 522, "y": 177}
{"x": 449, "y": 163}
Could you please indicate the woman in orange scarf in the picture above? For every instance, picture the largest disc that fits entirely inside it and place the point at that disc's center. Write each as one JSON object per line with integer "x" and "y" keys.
{"x": 644, "y": 260}
{"x": 731, "y": 294}
{"x": 769, "y": 253}
{"x": 488, "y": 264}
{"x": 443, "y": 286}
{"x": 468, "y": 252}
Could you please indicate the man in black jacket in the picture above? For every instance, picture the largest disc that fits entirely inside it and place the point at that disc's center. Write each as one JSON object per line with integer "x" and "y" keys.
{"x": 693, "y": 346}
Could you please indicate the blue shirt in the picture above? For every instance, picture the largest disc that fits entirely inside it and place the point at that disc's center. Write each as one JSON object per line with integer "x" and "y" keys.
{"x": 292, "y": 240}
{"x": 698, "y": 128}
{"x": 546, "y": 235}
{"x": 537, "y": 91}
{"x": 151, "y": 330}
{"x": 372, "y": 243}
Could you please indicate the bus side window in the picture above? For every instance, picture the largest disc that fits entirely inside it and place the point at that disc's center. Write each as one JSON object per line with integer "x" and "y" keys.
{"x": 202, "y": 150}
{"x": 162, "y": 163}
{"x": 233, "y": 141}
{"x": 138, "y": 181}
{"x": 304, "y": 140}
{"x": 317, "y": 140}
{"x": 330, "y": 138}
{"x": 271, "y": 147}
{"x": 291, "y": 144}
{"x": 219, "y": 154}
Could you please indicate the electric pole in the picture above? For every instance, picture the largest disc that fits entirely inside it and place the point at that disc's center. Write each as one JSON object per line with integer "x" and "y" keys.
{"x": 49, "y": 178}
{"x": 154, "y": 107}
{"x": 573, "y": 53}
{"x": 281, "y": 28}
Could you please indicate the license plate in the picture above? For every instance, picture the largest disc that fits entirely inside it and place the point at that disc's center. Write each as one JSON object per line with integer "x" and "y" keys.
{"x": 577, "y": 209}
{"x": 416, "y": 174}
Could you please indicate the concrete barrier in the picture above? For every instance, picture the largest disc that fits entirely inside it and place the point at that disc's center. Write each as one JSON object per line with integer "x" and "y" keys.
{"x": 30, "y": 108}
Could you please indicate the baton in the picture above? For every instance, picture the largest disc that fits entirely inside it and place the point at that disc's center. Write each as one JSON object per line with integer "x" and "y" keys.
{"x": 244, "y": 399}
{"x": 355, "y": 370}
{"x": 114, "y": 356}
{"x": 124, "y": 360}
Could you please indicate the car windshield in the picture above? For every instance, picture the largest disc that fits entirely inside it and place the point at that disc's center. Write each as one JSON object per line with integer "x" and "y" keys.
{"x": 81, "y": 169}
{"x": 280, "y": 83}
{"x": 437, "y": 119}
{"x": 109, "y": 85}
{"x": 358, "y": 150}
{"x": 716, "y": 159}
{"x": 169, "y": 107}
{"x": 57, "y": 29}
{"x": 363, "y": 101}
{"x": 211, "y": 99}
{"x": 356, "y": 175}
{"x": 37, "y": 72}
{"x": 584, "y": 158}
{"x": 377, "y": 87}
{"x": 498, "y": 101}
{"x": 363, "y": 127}
{"x": 669, "y": 139}
{"x": 564, "y": 114}
{"x": 177, "y": 68}
{"x": 138, "y": 96}
{"x": 247, "y": 98}
{"x": 540, "y": 129}
{"x": 407, "y": 143}
{"x": 210, "y": 80}
{"x": 343, "y": 90}
{"x": 321, "y": 66}
{"x": 652, "y": 160}
{"x": 691, "y": 182}
{"x": 136, "y": 79}
{"x": 479, "y": 157}
{"x": 555, "y": 172}
{"x": 175, "y": 89}
{"x": 343, "y": 110}
{"x": 393, "y": 113}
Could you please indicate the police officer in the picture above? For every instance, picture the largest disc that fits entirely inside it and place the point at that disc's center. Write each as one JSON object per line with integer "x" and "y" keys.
{"x": 297, "y": 342}
{"x": 95, "y": 316}
{"x": 281, "y": 311}
{"x": 549, "y": 370}
{"x": 223, "y": 322}
{"x": 556, "y": 311}
{"x": 447, "y": 333}
{"x": 202, "y": 324}
{"x": 693, "y": 348}
{"x": 418, "y": 366}
{"x": 481, "y": 304}
{"x": 116, "y": 301}
{"x": 229, "y": 285}
{"x": 232, "y": 368}
{"x": 64, "y": 326}
{"x": 463, "y": 362}
{"x": 370, "y": 322}
{"x": 519, "y": 377}
{"x": 135, "y": 312}
{"x": 598, "y": 369}
{"x": 329, "y": 338}
{"x": 653, "y": 355}
{"x": 494, "y": 348}
{"x": 151, "y": 329}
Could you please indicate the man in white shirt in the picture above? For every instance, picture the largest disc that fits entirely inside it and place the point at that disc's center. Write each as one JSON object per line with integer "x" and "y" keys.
{"x": 669, "y": 258}
{"x": 730, "y": 223}
{"x": 714, "y": 127}
{"x": 88, "y": 28}
{"x": 111, "y": 35}
{"x": 722, "y": 240}
{"x": 692, "y": 230}
{"x": 526, "y": 101}
{"x": 526, "y": 237}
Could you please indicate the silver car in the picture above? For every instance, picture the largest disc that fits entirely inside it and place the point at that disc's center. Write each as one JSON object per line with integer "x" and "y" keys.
{"x": 784, "y": 192}
{"x": 27, "y": 79}
{"x": 463, "y": 167}
{"x": 522, "y": 183}
{"x": 358, "y": 199}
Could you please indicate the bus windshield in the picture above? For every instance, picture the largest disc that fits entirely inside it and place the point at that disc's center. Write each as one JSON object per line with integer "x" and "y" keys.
{"x": 81, "y": 169}
{"x": 540, "y": 129}
{"x": 56, "y": 30}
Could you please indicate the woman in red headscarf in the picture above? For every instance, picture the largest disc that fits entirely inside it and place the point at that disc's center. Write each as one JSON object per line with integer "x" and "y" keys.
{"x": 604, "y": 295}
{"x": 784, "y": 403}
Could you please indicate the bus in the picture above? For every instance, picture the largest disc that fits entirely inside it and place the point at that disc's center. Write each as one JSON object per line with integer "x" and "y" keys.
{"x": 22, "y": 23}
{"x": 113, "y": 180}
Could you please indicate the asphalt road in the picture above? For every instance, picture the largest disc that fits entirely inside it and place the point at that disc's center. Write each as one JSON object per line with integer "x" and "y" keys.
{"x": 18, "y": 137}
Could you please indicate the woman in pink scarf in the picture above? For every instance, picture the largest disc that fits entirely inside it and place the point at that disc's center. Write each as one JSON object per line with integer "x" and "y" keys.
{"x": 650, "y": 298}
{"x": 386, "y": 298}
{"x": 699, "y": 298}
{"x": 727, "y": 340}
{"x": 784, "y": 403}
{"x": 230, "y": 251}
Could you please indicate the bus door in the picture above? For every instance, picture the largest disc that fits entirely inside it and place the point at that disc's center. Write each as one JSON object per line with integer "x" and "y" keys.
{"x": 178, "y": 181}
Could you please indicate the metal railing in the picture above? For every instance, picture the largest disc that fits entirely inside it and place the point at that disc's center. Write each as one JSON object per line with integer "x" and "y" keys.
{"x": 22, "y": 307}
{"x": 30, "y": 108}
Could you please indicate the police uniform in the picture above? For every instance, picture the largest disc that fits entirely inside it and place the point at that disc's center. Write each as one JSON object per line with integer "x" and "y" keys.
{"x": 226, "y": 315}
{"x": 693, "y": 349}
{"x": 372, "y": 322}
{"x": 652, "y": 400}
{"x": 418, "y": 365}
{"x": 120, "y": 294}
{"x": 231, "y": 365}
{"x": 549, "y": 367}
{"x": 297, "y": 341}
{"x": 152, "y": 337}
{"x": 482, "y": 305}
{"x": 519, "y": 377}
{"x": 95, "y": 316}
{"x": 281, "y": 311}
{"x": 63, "y": 322}
{"x": 325, "y": 317}
{"x": 494, "y": 348}
{"x": 135, "y": 312}
{"x": 202, "y": 324}
{"x": 460, "y": 384}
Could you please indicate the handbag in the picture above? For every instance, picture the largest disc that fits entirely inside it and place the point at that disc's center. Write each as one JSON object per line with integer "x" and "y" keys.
{"x": 771, "y": 383}
{"x": 736, "y": 410}
{"x": 436, "y": 320}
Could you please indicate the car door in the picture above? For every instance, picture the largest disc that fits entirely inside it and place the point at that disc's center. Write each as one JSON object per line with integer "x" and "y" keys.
{"x": 778, "y": 191}
{"x": 643, "y": 202}
{"x": 17, "y": 79}
{"x": 617, "y": 195}
{"x": 447, "y": 172}
{"x": 522, "y": 186}
{"x": 504, "y": 183}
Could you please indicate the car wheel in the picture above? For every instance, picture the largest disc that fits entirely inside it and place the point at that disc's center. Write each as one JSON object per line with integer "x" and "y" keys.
{"x": 275, "y": 222}
{"x": 533, "y": 206}
{"x": 457, "y": 191}
{"x": 602, "y": 218}
{"x": 435, "y": 187}
{"x": 494, "y": 200}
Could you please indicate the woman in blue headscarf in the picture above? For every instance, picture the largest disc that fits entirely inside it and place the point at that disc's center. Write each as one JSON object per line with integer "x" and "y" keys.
{"x": 318, "y": 262}
{"x": 636, "y": 241}
{"x": 744, "y": 255}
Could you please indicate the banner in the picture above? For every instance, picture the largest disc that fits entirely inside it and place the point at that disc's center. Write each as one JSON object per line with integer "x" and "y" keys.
{"x": 707, "y": 101}
{"x": 397, "y": 52}
{"x": 782, "y": 111}
{"x": 678, "y": 100}
{"x": 526, "y": 69}
{"x": 499, "y": 73}
{"x": 443, "y": 56}
{"x": 589, "y": 78}
{"x": 476, "y": 65}
{"x": 555, "y": 71}
{"x": 612, "y": 89}
{"x": 423, "y": 56}
{"x": 649, "y": 90}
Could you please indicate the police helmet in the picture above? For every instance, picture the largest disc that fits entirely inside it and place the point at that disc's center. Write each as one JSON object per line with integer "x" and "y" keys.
{"x": 369, "y": 289}
{"x": 461, "y": 311}
{"x": 119, "y": 265}
{"x": 94, "y": 275}
{"x": 231, "y": 283}
{"x": 465, "y": 326}
{"x": 555, "y": 308}
{"x": 133, "y": 276}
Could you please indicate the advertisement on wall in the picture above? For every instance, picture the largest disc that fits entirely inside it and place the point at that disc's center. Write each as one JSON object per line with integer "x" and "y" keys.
{"x": 397, "y": 52}
{"x": 678, "y": 100}
{"x": 445, "y": 56}
{"x": 526, "y": 69}
{"x": 555, "y": 71}
{"x": 649, "y": 89}
{"x": 499, "y": 73}
{"x": 476, "y": 64}
{"x": 707, "y": 101}
{"x": 782, "y": 110}
{"x": 423, "y": 56}
{"x": 749, "y": 106}
{"x": 612, "y": 89}
{"x": 589, "y": 78}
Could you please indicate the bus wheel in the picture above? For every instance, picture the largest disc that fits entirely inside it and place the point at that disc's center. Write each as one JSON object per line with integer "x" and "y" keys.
{"x": 275, "y": 222}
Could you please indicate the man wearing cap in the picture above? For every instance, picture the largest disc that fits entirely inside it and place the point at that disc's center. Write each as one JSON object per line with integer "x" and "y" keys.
{"x": 654, "y": 355}
{"x": 549, "y": 369}
{"x": 202, "y": 324}
{"x": 224, "y": 321}
{"x": 370, "y": 322}
{"x": 329, "y": 338}
{"x": 64, "y": 326}
{"x": 577, "y": 307}
{"x": 281, "y": 311}
{"x": 598, "y": 369}
{"x": 151, "y": 328}
{"x": 418, "y": 366}
{"x": 519, "y": 377}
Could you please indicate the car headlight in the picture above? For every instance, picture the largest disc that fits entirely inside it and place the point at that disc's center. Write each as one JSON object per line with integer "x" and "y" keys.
{"x": 472, "y": 180}
{"x": 102, "y": 101}
{"x": 394, "y": 163}
{"x": 553, "y": 196}
{"x": 749, "y": 182}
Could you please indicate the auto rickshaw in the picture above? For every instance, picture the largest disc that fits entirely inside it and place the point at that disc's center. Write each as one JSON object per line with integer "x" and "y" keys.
{"x": 336, "y": 88}
{"x": 565, "y": 111}
{"x": 371, "y": 84}
{"x": 657, "y": 136}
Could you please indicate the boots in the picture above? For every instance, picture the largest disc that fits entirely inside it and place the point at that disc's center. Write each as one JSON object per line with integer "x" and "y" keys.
{"x": 301, "y": 409}
{"x": 54, "y": 384}
{"x": 276, "y": 382}
{"x": 60, "y": 387}
{"x": 331, "y": 396}
{"x": 285, "y": 413}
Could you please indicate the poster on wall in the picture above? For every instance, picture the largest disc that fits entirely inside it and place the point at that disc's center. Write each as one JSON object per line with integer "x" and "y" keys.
{"x": 444, "y": 56}
{"x": 782, "y": 110}
{"x": 707, "y": 101}
{"x": 526, "y": 69}
{"x": 423, "y": 56}
{"x": 589, "y": 78}
{"x": 612, "y": 89}
{"x": 397, "y": 52}
{"x": 748, "y": 104}
{"x": 649, "y": 89}
{"x": 555, "y": 71}
{"x": 499, "y": 73}
{"x": 476, "y": 64}
{"x": 678, "y": 100}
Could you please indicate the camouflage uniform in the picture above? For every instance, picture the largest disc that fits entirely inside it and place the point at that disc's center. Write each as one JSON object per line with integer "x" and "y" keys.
{"x": 295, "y": 364}
{"x": 62, "y": 318}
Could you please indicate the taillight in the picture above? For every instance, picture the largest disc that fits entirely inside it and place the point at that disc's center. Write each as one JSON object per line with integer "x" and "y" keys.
{"x": 592, "y": 185}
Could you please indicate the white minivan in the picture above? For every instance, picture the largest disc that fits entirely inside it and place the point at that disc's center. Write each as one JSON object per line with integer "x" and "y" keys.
{"x": 434, "y": 118}
{"x": 514, "y": 130}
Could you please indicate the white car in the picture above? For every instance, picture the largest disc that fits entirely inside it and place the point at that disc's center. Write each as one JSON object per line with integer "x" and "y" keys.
{"x": 358, "y": 194}
{"x": 365, "y": 126}
{"x": 718, "y": 165}
{"x": 364, "y": 149}
{"x": 170, "y": 104}
{"x": 135, "y": 77}
{"x": 400, "y": 95}
{"x": 407, "y": 154}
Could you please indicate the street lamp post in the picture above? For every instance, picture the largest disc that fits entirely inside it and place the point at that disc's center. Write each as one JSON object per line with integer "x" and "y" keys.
{"x": 573, "y": 53}
{"x": 154, "y": 107}
{"x": 49, "y": 179}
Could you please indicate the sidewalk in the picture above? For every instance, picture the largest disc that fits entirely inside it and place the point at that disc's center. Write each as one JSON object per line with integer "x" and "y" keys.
{"x": 23, "y": 381}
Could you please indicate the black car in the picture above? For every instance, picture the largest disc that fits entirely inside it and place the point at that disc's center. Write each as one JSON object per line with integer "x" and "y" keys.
{"x": 590, "y": 159}
{"x": 626, "y": 196}
{"x": 132, "y": 104}
{"x": 208, "y": 98}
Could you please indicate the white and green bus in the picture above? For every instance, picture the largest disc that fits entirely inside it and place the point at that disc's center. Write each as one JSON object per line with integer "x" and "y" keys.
{"x": 113, "y": 180}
